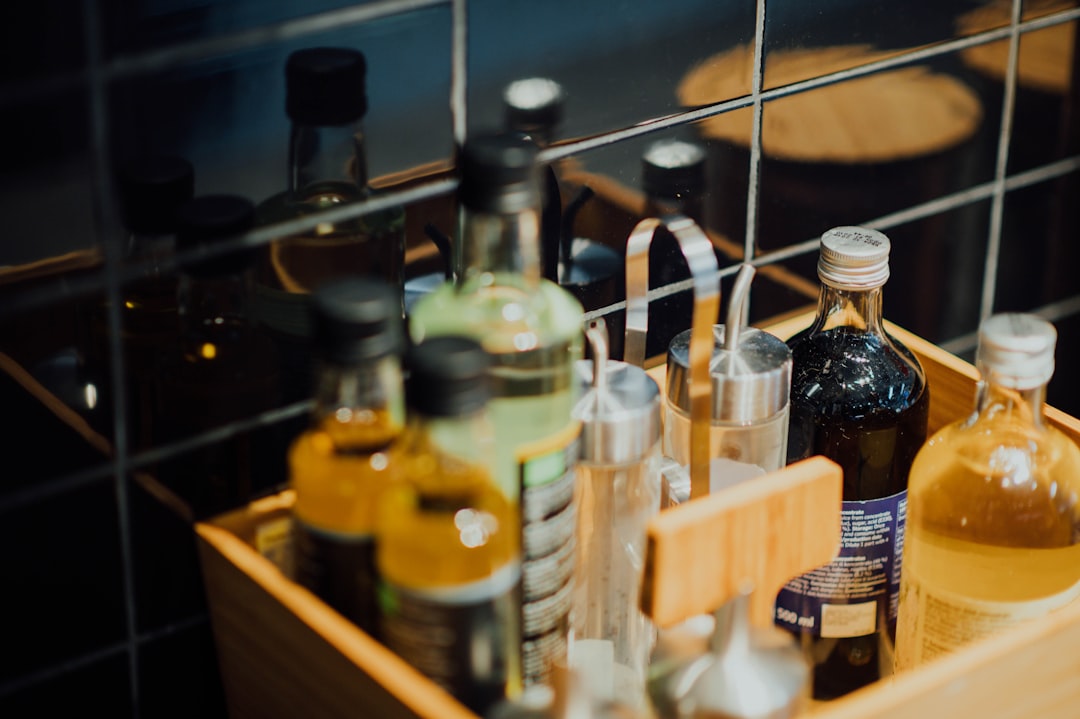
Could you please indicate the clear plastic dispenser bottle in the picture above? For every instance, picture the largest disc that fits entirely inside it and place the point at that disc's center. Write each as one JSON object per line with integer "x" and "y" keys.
{"x": 344, "y": 461}
{"x": 533, "y": 330}
{"x": 859, "y": 398}
{"x": 619, "y": 490}
{"x": 750, "y": 372}
{"x": 567, "y": 696}
{"x": 448, "y": 540}
{"x": 326, "y": 101}
{"x": 993, "y": 505}
{"x": 728, "y": 668}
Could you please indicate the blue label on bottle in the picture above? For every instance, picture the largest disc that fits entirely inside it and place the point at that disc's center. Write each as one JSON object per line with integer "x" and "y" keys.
{"x": 852, "y": 595}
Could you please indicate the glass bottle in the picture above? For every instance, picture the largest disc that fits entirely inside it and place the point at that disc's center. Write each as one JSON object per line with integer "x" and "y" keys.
{"x": 860, "y": 398}
{"x": 345, "y": 460}
{"x": 151, "y": 190}
{"x": 222, "y": 368}
{"x": 448, "y": 540}
{"x": 533, "y": 330}
{"x": 619, "y": 489}
{"x": 674, "y": 181}
{"x": 326, "y": 102}
{"x": 993, "y": 505}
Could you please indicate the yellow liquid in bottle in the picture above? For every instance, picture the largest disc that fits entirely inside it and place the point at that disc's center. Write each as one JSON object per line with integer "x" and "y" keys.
{"x": 993, "y": 534}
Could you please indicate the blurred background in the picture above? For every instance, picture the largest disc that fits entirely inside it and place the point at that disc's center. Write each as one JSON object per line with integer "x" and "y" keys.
{"x": 951, "y": 126}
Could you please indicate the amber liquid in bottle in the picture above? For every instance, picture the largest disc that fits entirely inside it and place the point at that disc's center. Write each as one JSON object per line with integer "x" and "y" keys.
{"x": 873, "y": 430}
{"x": 339, "y": 468}
{"x": 449, "y": 562}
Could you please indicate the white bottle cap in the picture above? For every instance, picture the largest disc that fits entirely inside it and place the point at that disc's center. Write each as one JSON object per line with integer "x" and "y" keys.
{"x": 1016, "y": 350}
{"x": 854, "y": 258}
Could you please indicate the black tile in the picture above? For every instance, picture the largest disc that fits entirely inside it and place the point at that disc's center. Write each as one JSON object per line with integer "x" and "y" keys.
{"x": 101, "y": 689}
{"x": 1064, "y": 389}
{"x": 64, "y": 558}
{"x": 168, "y": 579}
{"x": 178, "y": 676}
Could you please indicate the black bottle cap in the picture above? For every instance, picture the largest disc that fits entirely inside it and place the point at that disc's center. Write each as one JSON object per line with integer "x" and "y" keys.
{"x": 355, "y": 319}
{"x": 499, "y": 173}
{"x": 325, "y": 86}
{"x": 448, "y": 376}
{"x": 152, "y": 189}
{"x": 673, "y": 169}
{"x": 207, "y": 220}
{"x": 534, "y": 106}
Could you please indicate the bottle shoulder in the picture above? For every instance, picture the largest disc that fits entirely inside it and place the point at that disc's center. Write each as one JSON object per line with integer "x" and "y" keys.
{"x": 503, "y": 309}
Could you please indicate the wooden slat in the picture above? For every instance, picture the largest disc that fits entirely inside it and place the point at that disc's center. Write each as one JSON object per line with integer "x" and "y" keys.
{"x": 284, "y": 653}
{"x": 767, "y": 531}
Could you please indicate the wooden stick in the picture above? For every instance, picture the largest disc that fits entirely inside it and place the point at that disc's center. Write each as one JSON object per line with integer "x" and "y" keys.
{"x": 766, "y": 530}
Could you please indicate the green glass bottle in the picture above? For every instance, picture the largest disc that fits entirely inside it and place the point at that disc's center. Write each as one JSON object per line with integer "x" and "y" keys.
{"x": 532, "y": 328}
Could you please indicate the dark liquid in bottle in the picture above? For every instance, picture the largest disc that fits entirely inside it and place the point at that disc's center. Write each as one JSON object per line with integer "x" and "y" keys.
{"x": 855, "y": 400}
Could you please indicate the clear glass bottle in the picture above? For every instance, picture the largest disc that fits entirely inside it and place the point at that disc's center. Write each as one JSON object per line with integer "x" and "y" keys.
{"x": 619, "y": 490}
{"x": 993, "y": 505}
{"x": 222, "y": 367}
{"x": 326, "y": 102}
{"x": 345, "y": 460}
{"x": 152, "y": 190}
{"x": 860, "y": 398}
{"x": 533, "y": 330}
{"x": 448, "y": 540}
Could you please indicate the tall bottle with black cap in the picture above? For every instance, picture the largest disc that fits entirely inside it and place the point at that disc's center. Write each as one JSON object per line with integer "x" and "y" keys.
{"x": 326, "y": 101}
{"x": 533, "y": 330}
{"x": 343, "y": 462}
{"x": 223, "y": 367}
{"x": 860, "y": 398}
{"x": 448, "y": 539}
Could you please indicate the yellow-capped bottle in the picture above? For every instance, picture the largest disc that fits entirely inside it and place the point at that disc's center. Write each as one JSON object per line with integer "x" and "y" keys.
{"x": 448, "y": 539}
{"x": 993, "y": 526}
{"x": 341, "y": 465}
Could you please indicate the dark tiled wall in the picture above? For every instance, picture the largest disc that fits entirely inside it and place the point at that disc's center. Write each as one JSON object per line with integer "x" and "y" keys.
{"x": 974, "y": 177}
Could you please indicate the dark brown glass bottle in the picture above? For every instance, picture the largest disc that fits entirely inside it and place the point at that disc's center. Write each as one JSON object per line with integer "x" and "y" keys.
{"x": 860, "y": 398}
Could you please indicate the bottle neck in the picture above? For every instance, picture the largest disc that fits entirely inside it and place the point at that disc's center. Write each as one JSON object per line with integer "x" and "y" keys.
{"x": 996, "y": 400}
{"x": 857, "y": 309}
{"x": 214, "y": 305}
{"x": 321, "y": 154}
{"x": 374, "y": 385}
{"x": 507, "y": 244}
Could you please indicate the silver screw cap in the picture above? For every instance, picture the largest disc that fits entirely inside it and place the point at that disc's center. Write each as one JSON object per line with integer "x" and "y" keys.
{"x": 854, "y": 258}
{"x": 1016, "y": 350}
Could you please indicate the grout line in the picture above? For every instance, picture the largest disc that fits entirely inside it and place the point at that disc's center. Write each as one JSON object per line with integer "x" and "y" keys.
{"x": 997, "y": 205}
{"x": 39, "y": 677}
{"x": 189, "y": 52}
{"x": 753, "y": 184}
{"x": 459, "y": 68}
{"x": 108, "y": 226}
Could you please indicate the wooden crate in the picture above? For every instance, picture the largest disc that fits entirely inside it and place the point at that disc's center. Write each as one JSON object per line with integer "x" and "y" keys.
{"x": 284, "y": 653}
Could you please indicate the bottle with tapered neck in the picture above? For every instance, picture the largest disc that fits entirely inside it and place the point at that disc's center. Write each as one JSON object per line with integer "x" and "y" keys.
{"x": 993, "y": 529}
{"x": 449, "y": 541}
{"x": 345, "y": 460}
{"x": 222, "y": 367}
{"x": 532, "y": 328}
{"x": 860, "y": 398}
{"x": 326, "y": 102}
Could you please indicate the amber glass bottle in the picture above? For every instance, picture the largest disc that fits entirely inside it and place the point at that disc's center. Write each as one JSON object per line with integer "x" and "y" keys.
{"x": 345, "y": 460}
{"x": 860, "y": 398}
{"x": 994, "y": 505}
{"x": 448, "y": 541}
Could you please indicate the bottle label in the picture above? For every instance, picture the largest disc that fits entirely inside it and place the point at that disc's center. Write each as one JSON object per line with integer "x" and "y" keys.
{"x": 936, "y": 621}
{"x": 549, "y": 520}
{"x": 339, "y": 569}
{"x": 852, "y": 595}
{"x": 459, "y": 636}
